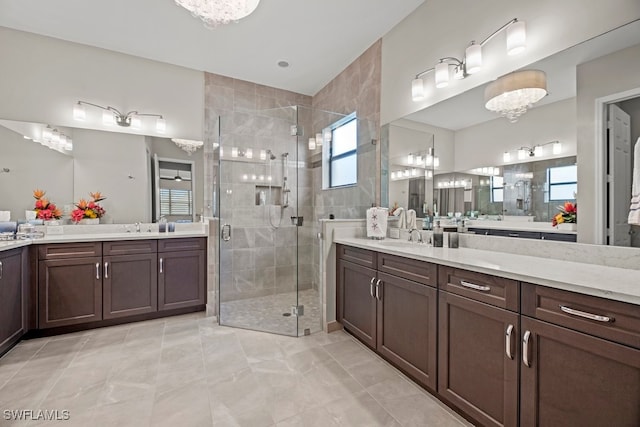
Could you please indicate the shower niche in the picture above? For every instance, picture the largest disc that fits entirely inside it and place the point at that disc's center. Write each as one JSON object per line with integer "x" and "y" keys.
{"x": 268, "y": 195}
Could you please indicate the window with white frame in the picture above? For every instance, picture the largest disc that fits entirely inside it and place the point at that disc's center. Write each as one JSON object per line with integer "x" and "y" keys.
{"x": 340, "y": 155}
{"x": 497, "y": 188}
{"x": 563, "y": 182}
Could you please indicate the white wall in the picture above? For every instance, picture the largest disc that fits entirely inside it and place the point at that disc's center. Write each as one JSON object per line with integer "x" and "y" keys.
{"x": 103, "y": 161}
{"x": 620, "y": 69}
{"x": 42, "y": 78}
{"x": 484, "y": 144}
{"x": 32, "y": 166}
{"x": 441, "y": 28}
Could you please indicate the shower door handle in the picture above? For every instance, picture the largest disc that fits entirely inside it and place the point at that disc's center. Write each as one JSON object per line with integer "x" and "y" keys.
{"x": 226, "y": 232}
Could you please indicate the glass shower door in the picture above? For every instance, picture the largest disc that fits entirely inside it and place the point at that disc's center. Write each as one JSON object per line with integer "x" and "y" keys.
{"x": 258, "y": 211}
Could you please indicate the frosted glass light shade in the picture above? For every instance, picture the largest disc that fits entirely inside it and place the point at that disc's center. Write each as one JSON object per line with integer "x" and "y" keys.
{"x": 136, "y": 122}
{"x": 312, "y": 143}
{"x": 417, "y": 89}
{"x": 161, "y": 125}
{"x": 79, "y": 112}
{"x": 108, "y": 118}
{"x": 506, "y": 157}
{"x": 557, "y": 147}
{"x": 473, "y": 55}
{"x": 410, "y": 159}
{"x": 516, "y": 38}
{"x": 522, "y": 154}
{"x": 442, "y": 75}
{"x": 537, "y": 151}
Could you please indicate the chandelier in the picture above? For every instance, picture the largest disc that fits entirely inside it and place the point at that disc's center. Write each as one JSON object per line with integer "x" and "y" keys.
{"x": 512, "y": 94}
{"x": 218, "y": 12}
{"x": 188, "y": 145}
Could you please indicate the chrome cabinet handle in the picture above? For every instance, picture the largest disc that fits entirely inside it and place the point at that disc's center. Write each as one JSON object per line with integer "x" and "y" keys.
{"x": 378, "y": 289}
{"x": 514, "y": 235}
{"x": 97, "y": 271}
{"x": 474, "y": 286}
{"x": 508, "y": 342}
{"x": 106, "y": 270}
{"x": 1, "y": 269}
{"x": 525, "y": 349}
{"x": 161, "y": 266}
{"x": 226, "y": 232}
{"x": 586, "y": 315}
{"x": 373, "y": 279}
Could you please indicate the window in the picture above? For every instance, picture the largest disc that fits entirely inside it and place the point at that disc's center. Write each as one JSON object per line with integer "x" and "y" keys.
{"x": 175, "y": 202}
{"x": 497, "y": 189}
{"x": 340, "y": 155}
{"x": 563, "y": 182}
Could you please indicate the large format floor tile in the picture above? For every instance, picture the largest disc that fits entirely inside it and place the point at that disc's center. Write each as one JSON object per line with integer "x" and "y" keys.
{"x": 188, "y": 371}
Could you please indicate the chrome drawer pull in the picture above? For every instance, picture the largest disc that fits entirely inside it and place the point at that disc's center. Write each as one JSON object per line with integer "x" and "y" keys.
{"x": 474, "y": 286}
{"x": 97, "y": 271}
{"x": 590, "y": 316}
{"x": 1, "y": 269}
{"x": 514, "y": 235}
{"x": 106, "y": 270}
{"x": 508, "y": 342}
{"x": 525, "y": 349}
{"x": 161, "y": 266}
{"x": 373, "y": 279}
{"x": 378, "y": 290}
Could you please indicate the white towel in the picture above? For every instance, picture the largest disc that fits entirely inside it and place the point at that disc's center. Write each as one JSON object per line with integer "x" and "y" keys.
{"x": 5, "y": 216}
{"x": 377, "y": 222}
{"x": 411, "y": 219}
{"x": 634, "y": 209}
{"x": 402, "y": 218}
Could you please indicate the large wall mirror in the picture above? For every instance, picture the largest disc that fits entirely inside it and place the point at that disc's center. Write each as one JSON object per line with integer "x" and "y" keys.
{"x": 118, "y": 165}
{"x": 492, "y": 169}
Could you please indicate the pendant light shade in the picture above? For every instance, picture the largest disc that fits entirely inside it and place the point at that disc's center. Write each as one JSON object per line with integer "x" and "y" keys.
{"x": 417, "y": 89}
{"x": 312, "y": 143}
{"x": 516, "y": 38}
{"x": 161, "y": 125}
{"x": 512, "y": 94}
{"x": 79, "y": 112}
{"x": 474, "y": 58}
{"x": 442, "y": 75}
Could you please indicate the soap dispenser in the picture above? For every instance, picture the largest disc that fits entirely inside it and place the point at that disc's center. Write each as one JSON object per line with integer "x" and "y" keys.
{"x": 438, "y": 236}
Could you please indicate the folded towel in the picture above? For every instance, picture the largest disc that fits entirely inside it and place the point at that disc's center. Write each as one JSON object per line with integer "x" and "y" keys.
{"x": 402, "y": 218}
{"x": 377, "y": 222}
{"x": 5, "y": 216}
{"x": 411, "y": 219}
{"x": 634, "y": 209}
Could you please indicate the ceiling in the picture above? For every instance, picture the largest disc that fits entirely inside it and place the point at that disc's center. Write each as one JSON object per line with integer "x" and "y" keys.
{"x": 561, "y": 81}
{"x": 318, "y": 38}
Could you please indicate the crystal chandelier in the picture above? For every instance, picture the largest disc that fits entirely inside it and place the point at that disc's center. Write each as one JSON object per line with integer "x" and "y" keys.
{"x": 512, "y": 94}
{"x": 218, "y": 12}
{"x": 188, "y": 145}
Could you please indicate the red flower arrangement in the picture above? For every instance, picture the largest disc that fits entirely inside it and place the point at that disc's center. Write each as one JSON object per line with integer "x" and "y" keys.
{"x": 44, "y": 208}
{"x": 88, "y": 209}
{"x": 568, "y": 213}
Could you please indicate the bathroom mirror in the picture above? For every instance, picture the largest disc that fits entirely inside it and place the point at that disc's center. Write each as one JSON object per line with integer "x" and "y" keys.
{"x": 118, "y": 165}
{"x": 469, "y": 138}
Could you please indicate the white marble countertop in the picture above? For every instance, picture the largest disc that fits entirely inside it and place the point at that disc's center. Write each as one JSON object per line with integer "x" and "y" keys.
{"x": 614, "y": 283}
{"x": 541, "y": 227}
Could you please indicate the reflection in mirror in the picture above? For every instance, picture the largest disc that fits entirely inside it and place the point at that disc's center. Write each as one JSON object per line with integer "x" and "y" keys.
{"x": 118, "y": 165}
{"x": 471, "y": 141}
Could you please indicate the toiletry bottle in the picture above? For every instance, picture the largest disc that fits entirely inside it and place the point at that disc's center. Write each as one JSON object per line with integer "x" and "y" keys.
{"x": 438, "y": 236}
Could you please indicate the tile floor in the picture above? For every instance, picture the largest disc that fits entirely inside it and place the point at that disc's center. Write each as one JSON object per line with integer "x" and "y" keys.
{"x": 187, "y": 371}
{"x": 266, "y": 313}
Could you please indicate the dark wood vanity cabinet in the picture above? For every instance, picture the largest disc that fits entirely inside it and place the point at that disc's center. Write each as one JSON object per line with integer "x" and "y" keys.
{"x": 479, "y": 345}
{"x": 392, "y": 315}
{"x": 181, "y": 279}
{"x": 13, "y": 294}
{"x": 130, "y": 280}
{"x": 580, "y": 360}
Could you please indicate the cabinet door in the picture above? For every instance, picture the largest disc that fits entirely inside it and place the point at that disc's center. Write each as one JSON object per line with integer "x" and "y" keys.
{"x": 11, "y": 299}
{"x": 181, "y": 279}
{"x": 574, "y": 379}
{"x": 475, "y": 371}
{"x": 130, "y": 285}
{"x": 357, "y": 302}
{"x": 407, "y": 326}
{"x": 69, "y": 291}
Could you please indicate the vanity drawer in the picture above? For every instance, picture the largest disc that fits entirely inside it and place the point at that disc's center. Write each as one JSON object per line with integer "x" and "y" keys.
{"x": 357, "y": 255}
{"x": 497, "y": 291}
{"x": 128, "y": 247}
{"x": 418, "y": 271}
{"x": 616, "y": 321}
{"x": 185, "y": 244}
{"x": 69, "y": 250}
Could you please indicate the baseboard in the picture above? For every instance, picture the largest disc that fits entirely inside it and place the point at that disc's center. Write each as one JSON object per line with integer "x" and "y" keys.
{"x": 334, "y": 326}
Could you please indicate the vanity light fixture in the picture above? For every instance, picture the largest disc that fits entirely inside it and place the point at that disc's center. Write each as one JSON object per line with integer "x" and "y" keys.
{"x": 188, "y": 145}
{"x": 54, "y": 139}
{"x": 535, "y": 151}
{"x": 512, "y": 94}
{"x": 312, "y": 144}
{"x": 219, "y": 12}
{"x": 112, "y": 116}
{"x": 471, "y": 62}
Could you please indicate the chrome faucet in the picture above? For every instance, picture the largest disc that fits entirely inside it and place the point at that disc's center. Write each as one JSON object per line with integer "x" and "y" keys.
{"x": 137, "y": 224}
{"x": 411, "y": 234}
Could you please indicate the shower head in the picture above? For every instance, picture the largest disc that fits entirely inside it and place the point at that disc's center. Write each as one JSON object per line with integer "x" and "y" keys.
{"x": 271, "y": 155}
{"x": 285, "y": 155}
